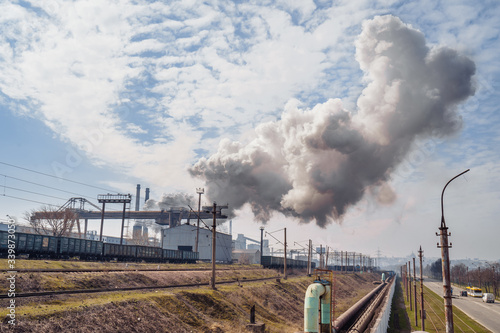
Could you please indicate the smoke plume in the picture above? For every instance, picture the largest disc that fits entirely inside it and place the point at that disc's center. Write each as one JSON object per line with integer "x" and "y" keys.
{"x": 315, "y": 163}
{"x": 168, "y": 201}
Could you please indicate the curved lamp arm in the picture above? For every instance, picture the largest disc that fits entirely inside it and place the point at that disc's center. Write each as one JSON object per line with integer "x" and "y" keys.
{"x": 442, "y": 208}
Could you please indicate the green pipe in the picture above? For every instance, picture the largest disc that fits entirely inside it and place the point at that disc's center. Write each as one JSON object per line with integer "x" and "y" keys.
{"x": 325, "y": 306}
{"x": 311, "y": 307}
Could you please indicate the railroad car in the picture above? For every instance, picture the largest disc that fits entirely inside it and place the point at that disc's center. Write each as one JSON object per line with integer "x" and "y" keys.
{"x": 279, "y": 262}
{"x": 44, "y": 246}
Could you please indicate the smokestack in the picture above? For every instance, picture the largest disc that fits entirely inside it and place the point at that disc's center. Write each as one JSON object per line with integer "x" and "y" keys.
{"x": 137, "y": 197}
{"x": 147, "y": 194}
{"x": 137, "y": 231}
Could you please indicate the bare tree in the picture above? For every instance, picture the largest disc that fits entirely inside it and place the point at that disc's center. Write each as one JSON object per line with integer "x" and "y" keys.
{"x": 50, "y": 221}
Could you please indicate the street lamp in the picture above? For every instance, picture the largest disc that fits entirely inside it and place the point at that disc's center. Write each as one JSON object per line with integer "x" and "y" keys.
{"x": 200, "y": 191}
{"x": 445, "y": 260}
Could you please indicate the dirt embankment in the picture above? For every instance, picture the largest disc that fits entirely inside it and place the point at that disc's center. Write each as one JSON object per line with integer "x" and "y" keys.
{"x": 278, "y": 304}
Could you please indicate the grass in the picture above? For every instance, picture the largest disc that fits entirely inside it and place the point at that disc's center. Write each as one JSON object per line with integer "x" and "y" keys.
{"x": 77, "y": 264}
{"x": 435, "y": 320}
{"x": 398, "y": 322}
{"x": 278, "y": 304}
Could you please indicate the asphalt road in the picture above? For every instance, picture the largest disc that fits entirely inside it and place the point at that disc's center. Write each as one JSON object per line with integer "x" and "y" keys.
{"x": 487, "y": 314}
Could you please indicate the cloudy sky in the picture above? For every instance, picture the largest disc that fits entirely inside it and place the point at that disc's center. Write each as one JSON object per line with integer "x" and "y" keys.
{"x": 341, "y": 121}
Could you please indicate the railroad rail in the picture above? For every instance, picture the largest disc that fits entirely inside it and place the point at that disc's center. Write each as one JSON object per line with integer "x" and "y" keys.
{"x": 112, "y": 270}
{"x": 102, "y": 290}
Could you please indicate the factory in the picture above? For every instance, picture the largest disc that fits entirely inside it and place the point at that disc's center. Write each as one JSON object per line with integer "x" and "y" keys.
{"x": 183, "y": 237}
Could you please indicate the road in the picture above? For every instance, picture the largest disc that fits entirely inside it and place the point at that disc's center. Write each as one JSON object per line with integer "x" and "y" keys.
{"x": 487, "y": 314}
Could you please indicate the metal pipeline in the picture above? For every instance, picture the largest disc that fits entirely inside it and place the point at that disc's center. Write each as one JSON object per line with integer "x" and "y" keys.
{"x": 368, "y": 314}
{"x": 349, "y": 314}
{"x": 311, "y": 307}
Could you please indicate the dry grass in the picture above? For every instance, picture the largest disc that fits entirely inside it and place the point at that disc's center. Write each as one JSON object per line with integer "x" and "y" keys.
{"x": 278, "y": 304}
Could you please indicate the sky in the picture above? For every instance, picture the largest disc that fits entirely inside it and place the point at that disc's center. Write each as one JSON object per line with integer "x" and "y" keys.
{"x": 339, "y": 120}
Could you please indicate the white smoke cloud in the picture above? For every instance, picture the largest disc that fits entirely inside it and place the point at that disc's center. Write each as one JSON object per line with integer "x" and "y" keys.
{"x": 315, "y": 163}
{"x": 170, "y": 200}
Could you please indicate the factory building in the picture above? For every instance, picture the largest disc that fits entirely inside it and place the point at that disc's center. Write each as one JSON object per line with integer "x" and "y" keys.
{"x": 246, "y": 257}
{"x": 183, "y": 237}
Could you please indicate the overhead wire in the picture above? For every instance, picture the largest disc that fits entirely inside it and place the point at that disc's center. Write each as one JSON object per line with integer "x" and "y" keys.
{"x": 43, "y": 203}
{"x": 60, "y": 178}
{"x": 42, "y": 185}
{"x": 45, "y": 195}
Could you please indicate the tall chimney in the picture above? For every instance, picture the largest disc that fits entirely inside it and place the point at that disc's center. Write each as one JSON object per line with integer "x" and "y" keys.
{"x": 138, "y": 197}
{"x": 147, "y": 194}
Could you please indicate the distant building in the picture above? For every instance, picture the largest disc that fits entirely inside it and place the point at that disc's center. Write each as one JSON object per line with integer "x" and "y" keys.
{"x": 183, "y": 237}
{"x": 246, "y": 256}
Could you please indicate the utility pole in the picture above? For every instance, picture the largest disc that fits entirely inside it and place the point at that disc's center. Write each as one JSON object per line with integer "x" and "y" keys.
{"x": 309, "y": 259}
{"x": 261, "y": 243}
{"x": 445, "y": 260}
{"x": 415, "y": 292}
{"x": 409, "y": 285}
{"x": 341, "y": 261}
{"x": 320, "y": 256}
{"x": 326, "y": 259}
{"x": 422, "y": 313}
{"x": 284, "y": 271}
{"x": 406, "y": 283}
{"x": 214, "y": 245}
{"x": 200, "y": 191}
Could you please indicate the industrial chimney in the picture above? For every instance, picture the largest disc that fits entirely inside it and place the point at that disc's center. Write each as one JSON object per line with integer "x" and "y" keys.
{"x": 147, "y": 194}
{"x": 138, "y": 197}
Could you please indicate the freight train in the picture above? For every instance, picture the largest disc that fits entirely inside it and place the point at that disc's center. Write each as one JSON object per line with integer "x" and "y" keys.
{"x": 45, "y": 246}
{"x": 279, "y": 262}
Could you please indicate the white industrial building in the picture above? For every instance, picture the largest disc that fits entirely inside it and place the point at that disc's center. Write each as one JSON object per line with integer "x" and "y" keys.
{"x": 183, "y": 237}
{"x": 251, "y": 256}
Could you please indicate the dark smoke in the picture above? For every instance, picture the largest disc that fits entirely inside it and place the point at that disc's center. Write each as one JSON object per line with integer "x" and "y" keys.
{"x": 314, "y": 164}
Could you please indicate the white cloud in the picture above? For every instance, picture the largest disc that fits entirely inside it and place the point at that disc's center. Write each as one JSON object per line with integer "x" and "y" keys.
{"x": 138, "y": 84}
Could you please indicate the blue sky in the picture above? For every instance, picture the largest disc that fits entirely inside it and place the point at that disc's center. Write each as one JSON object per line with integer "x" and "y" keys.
{"x": 117, "y": 93}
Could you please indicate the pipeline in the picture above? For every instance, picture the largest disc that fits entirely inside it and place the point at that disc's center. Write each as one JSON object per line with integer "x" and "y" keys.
{"x": 311, "y": 307}
{"x": 369, "y": 313}
{"x": 341, "y": 321}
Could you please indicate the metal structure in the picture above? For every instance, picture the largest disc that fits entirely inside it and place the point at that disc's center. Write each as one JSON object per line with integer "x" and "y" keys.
{"x": 445, "y": 259}
{"x": 113, "y": 198}
{"x": 84, "y": 209}
{"x": 200, "y": 191}
{"x": 284, "y": 246}
{"x": 261, "y": 243}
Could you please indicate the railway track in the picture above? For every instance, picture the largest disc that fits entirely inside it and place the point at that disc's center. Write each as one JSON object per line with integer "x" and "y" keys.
{"x": 102, "y": 290}
{"x": 90, "y": 270}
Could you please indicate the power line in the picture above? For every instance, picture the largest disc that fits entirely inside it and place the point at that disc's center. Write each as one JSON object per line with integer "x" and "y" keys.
{"x": 50, "y": 187}
{"x": 60, "y": 178}
{"x": 43, "y": 203}
{"x": 45, "y": 195}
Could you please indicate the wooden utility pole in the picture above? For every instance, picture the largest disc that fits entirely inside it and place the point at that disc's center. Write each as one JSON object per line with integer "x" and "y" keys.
{"x": 284, "y": 271}
{"x": 415, "y": 292}
{"x": 422, "y": 313}
{"x": 214, "y": 245}
{"x": 409, "y": 285}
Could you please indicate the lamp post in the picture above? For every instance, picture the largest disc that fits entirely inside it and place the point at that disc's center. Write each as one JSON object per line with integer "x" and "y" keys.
{"x": 445, "y": 260}
{"x": 200, "y": 191}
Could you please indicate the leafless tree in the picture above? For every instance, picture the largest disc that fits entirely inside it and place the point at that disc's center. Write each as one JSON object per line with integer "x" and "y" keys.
{"x": 50, "y": 221}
